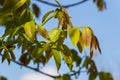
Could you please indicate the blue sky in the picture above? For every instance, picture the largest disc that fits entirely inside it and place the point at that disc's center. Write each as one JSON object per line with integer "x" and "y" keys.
{"x": 106, "y": 26}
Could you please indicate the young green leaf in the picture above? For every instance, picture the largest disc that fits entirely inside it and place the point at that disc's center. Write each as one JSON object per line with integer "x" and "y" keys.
{"x": 67, "y": 56}
{"x": 11, "y": 5}
{"x": 74, "y": 34}
{"x": 43, "y": 32}
{"x": 76, "y": 58}
{"x": 87, "y": 35}
{"x": 92, "y": 76}
{"x": 39, "y": 52}
{"x": 46, "y": 15}
{"x": 55, "y": 34}
{"x": 48, "y": 52}
{"x": 60, "y": 42}
{"x": 5, "y": 18}
{"x": 59, "y": 78}
{"x": 66, "y": 77}
{"x": 57, "y": 58}
{"x": 14, "y": 31}
{"x": 105, "y": 76}
{"x": 30, "y": 30}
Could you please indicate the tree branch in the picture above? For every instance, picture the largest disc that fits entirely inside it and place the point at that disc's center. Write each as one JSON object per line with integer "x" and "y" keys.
{"x": 77, "y": 72}
{"x": 41, "y": 72}
{"x": 29, "y": 67}
{"x": 65, "y": 6}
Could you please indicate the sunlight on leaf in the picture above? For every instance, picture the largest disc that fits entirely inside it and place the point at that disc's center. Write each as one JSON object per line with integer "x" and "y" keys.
{"x": 11, "y": 5}
{"x": 30, "y": 30}
{"x": 57, "y": 58}
{"x": 74, "y": 34}
{"x": 43, "y": 32}
{"x": 54, "y": 34}
{"x": 87, "y": 34}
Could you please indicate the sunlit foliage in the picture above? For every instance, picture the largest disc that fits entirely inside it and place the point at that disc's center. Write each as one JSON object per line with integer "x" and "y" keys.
{"x": 22, "y": 31}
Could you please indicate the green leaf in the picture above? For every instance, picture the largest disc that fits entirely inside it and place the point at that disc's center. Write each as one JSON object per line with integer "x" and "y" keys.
{"x": 58, "y": 4}
{"x": 92, "y": 70}
{"x": 58, "y": 13}
{"x": 43, "y": 32}
{"x": 92, "y": 76}
{"x": 12, "y": 54}
{"x": 67, "y": 56}
{"x": 30, "y": 30}
{"x": 14, "y": 31}
{"x": 105, "y": 76}
{"x": 59, "y": 78}
{"x": 48, "y": 51}
{"x": 64, "y": 77}
{"x": 26, "y": 15}
{"x": 57, "y": 58}
{"x": 55, "y": 34}
{"x": 11, "y": 5}
{"x": 25, "y": 43}
{"x": 76, "y": 58}
{"x": 39, "y": 52}
{"x": 87, "y": 62}
{"x": 59, "y": 43}
{"x": 46, "y": 15}
{"x": 60, "y": 40}
{"x": 87, "y": 35}
{"x": 74, "y": 34}
{"x": 5, "y": 18}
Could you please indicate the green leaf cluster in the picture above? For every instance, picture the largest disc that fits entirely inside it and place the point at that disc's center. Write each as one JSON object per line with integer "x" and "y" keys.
{"x": 23, "y": 32}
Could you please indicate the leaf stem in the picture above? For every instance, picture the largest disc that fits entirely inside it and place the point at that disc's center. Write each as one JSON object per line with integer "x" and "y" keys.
{"x": 58, "y": 3}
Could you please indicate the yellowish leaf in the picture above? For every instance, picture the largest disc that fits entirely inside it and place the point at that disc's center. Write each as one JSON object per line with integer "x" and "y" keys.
{"x": 74, "y": 34}
{"x": 43, "y": 32}
{"x": 55, "y": 34}
{"x": 57, "y": 58}
{"x": 30, "y": 30}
